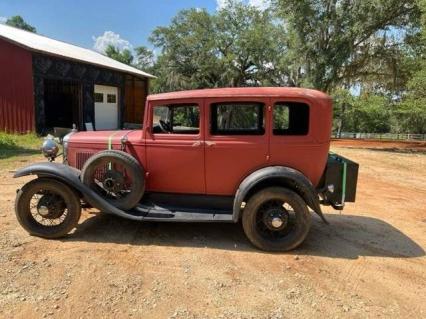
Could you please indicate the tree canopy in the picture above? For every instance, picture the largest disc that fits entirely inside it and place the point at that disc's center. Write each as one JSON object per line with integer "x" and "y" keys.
{"x": 124, "y": 56}
{"x": 367, "y": 54}
{"x": 19, "y": 22}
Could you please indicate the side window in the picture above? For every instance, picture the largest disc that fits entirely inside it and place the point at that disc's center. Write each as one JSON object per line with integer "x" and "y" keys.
{"x": 237, "y": 118}
{"x": 291, "y": 118}
{"x": 176, "y": 119}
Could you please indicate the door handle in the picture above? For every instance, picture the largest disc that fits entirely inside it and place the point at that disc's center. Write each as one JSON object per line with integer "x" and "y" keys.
{"x": 210, "y": 144}
{"x": 196, "y": 144}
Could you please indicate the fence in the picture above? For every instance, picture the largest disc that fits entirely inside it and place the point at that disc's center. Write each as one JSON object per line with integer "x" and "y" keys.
{"x": 380, "y": 136}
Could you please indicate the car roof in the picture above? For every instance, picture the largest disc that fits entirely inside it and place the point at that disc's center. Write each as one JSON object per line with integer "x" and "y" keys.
{"x": 241, "y": 92}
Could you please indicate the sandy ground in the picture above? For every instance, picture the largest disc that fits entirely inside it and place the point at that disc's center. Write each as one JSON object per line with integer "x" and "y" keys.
{"x": 370, "y": 262}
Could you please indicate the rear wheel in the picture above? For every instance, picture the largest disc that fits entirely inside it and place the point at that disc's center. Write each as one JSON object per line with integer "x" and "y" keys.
{"x": 47, "y": 208}
{"x": 116, "y": 176}
{"x": 276, "y": 219}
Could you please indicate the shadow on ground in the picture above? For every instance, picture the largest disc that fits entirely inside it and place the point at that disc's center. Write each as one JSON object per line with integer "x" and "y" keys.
{"x": 347, "y": 236}
{"x": 14, "y": 150}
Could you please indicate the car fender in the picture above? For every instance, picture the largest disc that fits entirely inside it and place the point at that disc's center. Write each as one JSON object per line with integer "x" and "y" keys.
{"x": 71, "y": 177}
{"x": 273, "y": 176}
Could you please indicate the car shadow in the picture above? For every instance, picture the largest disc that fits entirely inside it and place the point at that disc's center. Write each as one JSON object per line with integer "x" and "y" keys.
{"x": 347, "y": 236}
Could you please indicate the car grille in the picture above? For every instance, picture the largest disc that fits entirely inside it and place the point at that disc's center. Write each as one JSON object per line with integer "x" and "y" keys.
{"x": 82, "y": 157}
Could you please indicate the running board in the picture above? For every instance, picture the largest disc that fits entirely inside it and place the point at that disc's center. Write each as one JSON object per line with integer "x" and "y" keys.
{"x": 152, "y": 212}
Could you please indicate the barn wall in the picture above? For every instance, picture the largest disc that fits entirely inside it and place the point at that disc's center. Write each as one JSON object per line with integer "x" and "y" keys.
{"x": 16, "y": 89}
{"x": 136, "y": 91}
{"x": 47, "y": 67}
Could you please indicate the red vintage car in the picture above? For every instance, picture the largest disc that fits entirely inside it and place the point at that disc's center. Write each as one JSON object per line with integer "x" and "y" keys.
{"x": 259, "y": 155}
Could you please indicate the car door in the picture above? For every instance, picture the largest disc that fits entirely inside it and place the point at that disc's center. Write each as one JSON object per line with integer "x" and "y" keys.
{"x": 236, "y": 142}
{"x": 175, "y": 147}
{"x": 296, "y": 135}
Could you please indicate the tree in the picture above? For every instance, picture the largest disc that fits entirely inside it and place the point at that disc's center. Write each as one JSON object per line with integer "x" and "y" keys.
{"x": 19, "y": 22}
{"x": 236, "y": 46}
{"x": 144, "y": 58}
{"x": 331, "y": 41}
{"x": 371, "y": 114}
{"x": 411, "y": 114}
{"x": 124, "y": 56}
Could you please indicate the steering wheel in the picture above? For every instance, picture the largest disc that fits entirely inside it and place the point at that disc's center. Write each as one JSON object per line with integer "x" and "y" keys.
{"x": 165, "y": 127}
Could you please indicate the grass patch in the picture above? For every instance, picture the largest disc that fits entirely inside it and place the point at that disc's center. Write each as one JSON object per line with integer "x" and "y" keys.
{"x": 14, "y": 144}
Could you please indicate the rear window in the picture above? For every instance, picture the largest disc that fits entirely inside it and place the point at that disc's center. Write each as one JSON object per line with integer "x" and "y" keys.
{"x": 291, "y": 118}
{"x": 236, "y": 118}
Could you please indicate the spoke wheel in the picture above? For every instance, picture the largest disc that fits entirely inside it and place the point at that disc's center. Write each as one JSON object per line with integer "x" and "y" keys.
{"x": 47, "y": 208}
{"x": 110, "y": 178}
{"x": 116, "y": 176}
{"x": 276, "y": 219}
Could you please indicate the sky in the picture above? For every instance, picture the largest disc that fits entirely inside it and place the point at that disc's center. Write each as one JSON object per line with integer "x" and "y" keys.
{"x": 94, "y": 24}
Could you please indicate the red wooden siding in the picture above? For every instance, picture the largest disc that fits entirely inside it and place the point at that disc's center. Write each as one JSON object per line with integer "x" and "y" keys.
{"x": 16, "y": 89}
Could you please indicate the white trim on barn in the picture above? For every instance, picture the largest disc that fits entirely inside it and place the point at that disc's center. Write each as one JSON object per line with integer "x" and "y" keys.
{"x": 38, "y": 43}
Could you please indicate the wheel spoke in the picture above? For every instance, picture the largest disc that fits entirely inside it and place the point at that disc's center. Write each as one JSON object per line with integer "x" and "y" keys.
{"x": 53, "y": 202}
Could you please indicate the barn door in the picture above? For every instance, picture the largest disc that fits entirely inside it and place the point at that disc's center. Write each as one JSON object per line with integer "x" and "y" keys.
{"x": 106, "y": 107}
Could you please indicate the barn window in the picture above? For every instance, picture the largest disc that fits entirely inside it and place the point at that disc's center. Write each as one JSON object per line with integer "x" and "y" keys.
{"x": 237, "y": 118}
{"x": 291, "y": 118}
{"x": 111, "y": 98}
{"x": 99, "y": 98}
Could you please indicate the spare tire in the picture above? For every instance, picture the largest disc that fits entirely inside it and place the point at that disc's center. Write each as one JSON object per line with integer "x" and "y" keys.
{"x": 116, "y": 176}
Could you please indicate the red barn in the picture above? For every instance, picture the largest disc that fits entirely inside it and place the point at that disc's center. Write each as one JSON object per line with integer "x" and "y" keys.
{"x": 45, "y": 83}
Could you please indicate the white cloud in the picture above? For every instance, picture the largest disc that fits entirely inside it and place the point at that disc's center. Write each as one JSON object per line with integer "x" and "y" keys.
{"x": 221, "y": 4}
{"x": 258, "y": 4}
{"x": 3, "y": 19}
{"x": 110, "y": 37}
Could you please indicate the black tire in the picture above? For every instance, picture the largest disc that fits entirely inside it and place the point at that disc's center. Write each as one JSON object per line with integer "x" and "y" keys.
{"x": 133, "y": 172}
{"x": 64, "y": 196}
{"x": 271, "y": 202}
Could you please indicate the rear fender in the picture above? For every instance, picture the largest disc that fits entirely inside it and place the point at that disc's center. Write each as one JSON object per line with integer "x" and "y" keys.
{"x": 277, "y": 176}
{"x": 71, "y": 177}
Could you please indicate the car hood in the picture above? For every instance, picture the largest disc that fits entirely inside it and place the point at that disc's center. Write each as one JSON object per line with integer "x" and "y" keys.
{"x": 104, "y": 137}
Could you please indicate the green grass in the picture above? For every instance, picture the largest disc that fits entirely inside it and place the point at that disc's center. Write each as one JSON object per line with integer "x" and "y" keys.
{"x": 18, "y": 150}
{"x": 15, "y": 144}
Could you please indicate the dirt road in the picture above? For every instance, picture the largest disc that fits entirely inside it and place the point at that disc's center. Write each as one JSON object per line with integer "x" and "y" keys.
{"x": 370, "y": 262}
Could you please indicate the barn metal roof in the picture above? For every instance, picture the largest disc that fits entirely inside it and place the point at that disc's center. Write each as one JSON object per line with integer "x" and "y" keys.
{"x": 42, "y": 44}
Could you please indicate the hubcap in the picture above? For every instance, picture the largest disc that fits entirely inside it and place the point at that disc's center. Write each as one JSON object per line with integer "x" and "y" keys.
{"x": 51, "y": 206}
{"x": 43, "y": 211}
{"x": 109, "y": 183}
{"x": 275, "y": 219}
{"x": 113, "y": 181}
{"x": 277, "y": 222}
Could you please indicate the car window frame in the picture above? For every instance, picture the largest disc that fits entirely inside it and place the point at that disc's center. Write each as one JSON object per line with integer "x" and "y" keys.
{"x": 213, "y": 118}
{"x": 289, "y": 101}
{"x": 197, "y": 104}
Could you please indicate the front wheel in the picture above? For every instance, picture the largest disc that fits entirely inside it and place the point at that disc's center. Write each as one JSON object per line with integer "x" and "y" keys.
{"x": 276, "y": 219}
{"x": 47, "y": 208}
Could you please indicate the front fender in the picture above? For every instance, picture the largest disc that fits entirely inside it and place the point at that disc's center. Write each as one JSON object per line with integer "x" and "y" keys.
{"x": 71, "y": 177}
{"x": 273, "y": 176}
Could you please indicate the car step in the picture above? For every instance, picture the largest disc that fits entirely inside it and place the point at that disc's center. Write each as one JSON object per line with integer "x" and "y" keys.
{"x": 152, "y": 212}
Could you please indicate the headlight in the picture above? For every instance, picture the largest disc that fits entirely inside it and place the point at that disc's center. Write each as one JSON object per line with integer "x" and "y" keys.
{"x": 65, "y": 141}
{"x": 49, "y": 148}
